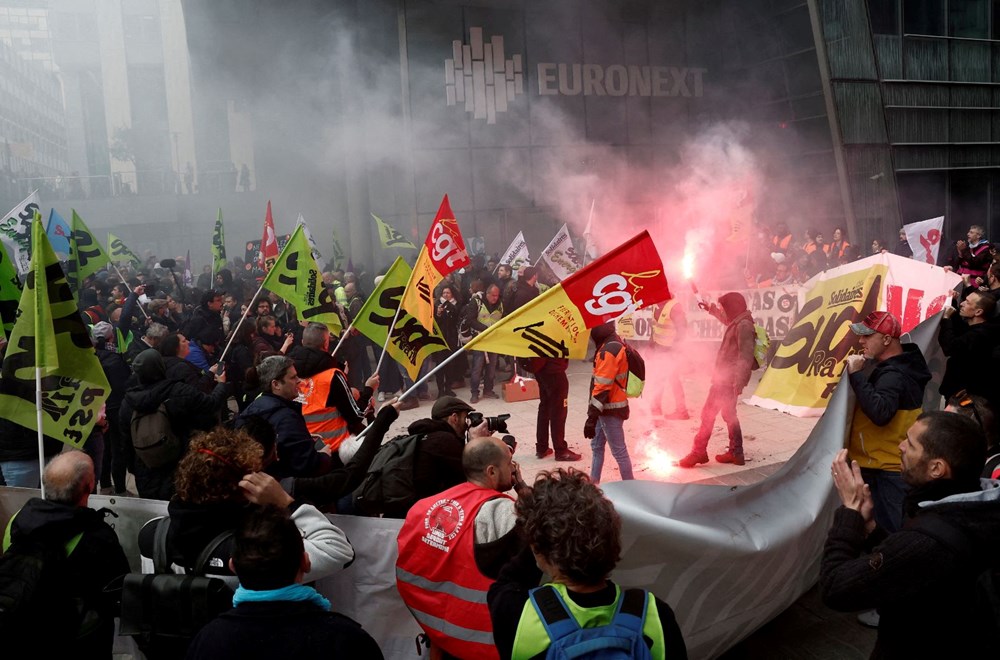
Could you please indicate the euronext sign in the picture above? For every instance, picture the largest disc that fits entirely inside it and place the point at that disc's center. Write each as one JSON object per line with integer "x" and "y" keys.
{"x": 618, "y": 80}
{"x": 482, "y": 77}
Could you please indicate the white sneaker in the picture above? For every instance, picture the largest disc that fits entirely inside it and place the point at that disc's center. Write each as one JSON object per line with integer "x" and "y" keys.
{"x": 869, "y": 618}
{"x": 381, "y": 397}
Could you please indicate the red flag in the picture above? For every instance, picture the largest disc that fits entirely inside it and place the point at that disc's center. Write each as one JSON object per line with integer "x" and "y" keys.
{"x": 443, "y": 253}
{"x": 555, "y": 323}
{"x": 268, "y": 243}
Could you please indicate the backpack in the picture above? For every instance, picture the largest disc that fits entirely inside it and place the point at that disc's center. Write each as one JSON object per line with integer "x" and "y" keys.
{"x": 986, "y": 587}
{"x": 636, "y": 371}
{"x": 153, "y": 437}
{"x": 163, "y": 610}
{"x": 761, "y": 346}
{"x": 388, "y": 485}
{"x": 33, "y": 578}
{"x": 620, "y": 639}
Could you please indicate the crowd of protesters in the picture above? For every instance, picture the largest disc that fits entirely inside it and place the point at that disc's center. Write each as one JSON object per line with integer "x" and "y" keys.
{"x": 261, "y": 454}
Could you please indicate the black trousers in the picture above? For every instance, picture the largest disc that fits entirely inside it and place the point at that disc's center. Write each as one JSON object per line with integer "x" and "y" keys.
{"x": 553, "y": 389}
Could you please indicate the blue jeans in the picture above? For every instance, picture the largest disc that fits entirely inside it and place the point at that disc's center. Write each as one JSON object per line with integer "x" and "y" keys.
{"x": 482, "y": 362}
{"x": 888, "y": 491}
{"x": 21, "y": 474}
{"x": 611, "y": 430}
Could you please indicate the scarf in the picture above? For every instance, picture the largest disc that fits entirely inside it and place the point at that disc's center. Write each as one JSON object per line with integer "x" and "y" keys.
{"x": 293, "y": 592}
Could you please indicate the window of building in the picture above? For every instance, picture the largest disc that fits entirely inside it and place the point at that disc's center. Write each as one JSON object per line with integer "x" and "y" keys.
{"x": 969, "y": 18}
{"x": 924, "y": 17}
{"x": 884, "y": 16}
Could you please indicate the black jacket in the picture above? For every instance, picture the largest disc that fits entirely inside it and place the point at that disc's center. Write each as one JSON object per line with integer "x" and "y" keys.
{"x": 969, "y": 349}
{"x": 518, "y": 296}
{"x": 438, "y": 464}
{"x": 96, "y": 561}
{"x": 297, "y": 455}
{"x": 894, "y": 384}
{"x": 327, "y": 489}
{"x": 282, "y": 629}
{"x": 920, "y": 584}
{"x": 117, "y": 372}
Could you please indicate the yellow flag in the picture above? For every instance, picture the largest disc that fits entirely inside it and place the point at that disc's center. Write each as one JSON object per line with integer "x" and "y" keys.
{"x": 296, "y": 278}
{"x": 118, "y": 251}
{"x": 443, "y": 253}
{"x": 391, "y": 238}
{"x": 411, "y": 343}
{"x": 86, "y": 256}
{"x": 50, "y": 335}
{"x": 556, "y": 323}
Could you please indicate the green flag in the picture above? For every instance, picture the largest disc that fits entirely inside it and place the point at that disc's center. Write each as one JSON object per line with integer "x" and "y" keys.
{"x": 118, "y": 251}
{"x": 85, "y": 254}
{"x": 10, "y": 292}
{"x": 218, "y": 245}
{"x": 296, "y": 278}
{"x": 51, "y": 336}
{"x": 338, "y": 251}
{"x": 411, "y": 343}
{"x": 390, "y": 237}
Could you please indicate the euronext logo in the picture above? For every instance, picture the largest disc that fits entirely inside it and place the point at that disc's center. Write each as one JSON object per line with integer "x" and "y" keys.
{"x": 479, "y": 76}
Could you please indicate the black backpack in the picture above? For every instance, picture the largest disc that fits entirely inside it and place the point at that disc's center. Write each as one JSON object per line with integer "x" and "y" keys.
{"x": 388, "y": 486}
{"x": 33, "y": 578}
{"x": 163, "y": 611}
{"x": 153, "y": 437}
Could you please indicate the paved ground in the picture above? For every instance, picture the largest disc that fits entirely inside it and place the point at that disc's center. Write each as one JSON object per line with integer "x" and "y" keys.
{"x": 807, "y": 629}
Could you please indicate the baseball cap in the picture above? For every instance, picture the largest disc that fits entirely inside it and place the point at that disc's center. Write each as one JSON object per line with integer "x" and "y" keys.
{"x": 447, "y": 405}
{"x": 883, "y": 322}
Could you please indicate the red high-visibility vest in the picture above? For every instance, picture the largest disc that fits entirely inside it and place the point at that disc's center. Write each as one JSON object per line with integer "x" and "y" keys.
{"x": 436, "y": 572}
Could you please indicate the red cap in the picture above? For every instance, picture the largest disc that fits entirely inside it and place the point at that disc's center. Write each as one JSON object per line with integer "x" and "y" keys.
{"x": 883, "y": 322}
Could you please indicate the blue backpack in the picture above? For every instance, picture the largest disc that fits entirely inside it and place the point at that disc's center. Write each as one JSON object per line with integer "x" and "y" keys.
{"x": 621, "y": 638}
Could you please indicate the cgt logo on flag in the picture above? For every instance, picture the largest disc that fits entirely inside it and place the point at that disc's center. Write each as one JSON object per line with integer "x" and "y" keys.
{"x": 618, "y": 293}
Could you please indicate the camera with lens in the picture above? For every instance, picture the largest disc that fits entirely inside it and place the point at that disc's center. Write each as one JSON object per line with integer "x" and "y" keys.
{"x": 496, "y": 424}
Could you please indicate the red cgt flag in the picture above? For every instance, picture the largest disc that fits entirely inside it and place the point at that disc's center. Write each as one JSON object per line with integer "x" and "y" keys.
{"x": 443, "y": 252}
{"x": 555, "y": 323}
{"x": 268, "y": 243}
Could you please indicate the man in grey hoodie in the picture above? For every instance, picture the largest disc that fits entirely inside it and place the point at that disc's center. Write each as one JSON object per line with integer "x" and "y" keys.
{"x": 733, "y": 365}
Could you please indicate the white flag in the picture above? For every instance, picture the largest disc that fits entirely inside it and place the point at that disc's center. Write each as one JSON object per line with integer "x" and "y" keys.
{"x": 561, "y": 256}
{"x": 15, "y": 232}
{"x": 589, "y": 247}
{"x": 516, "y": 255}
{"x": 309, "y": 237}
{"x": 925, "y": 239}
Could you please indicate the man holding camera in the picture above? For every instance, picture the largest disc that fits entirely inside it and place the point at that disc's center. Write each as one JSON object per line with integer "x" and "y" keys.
{"x": 453, "y": 545}
{"x": 437, "y": 465}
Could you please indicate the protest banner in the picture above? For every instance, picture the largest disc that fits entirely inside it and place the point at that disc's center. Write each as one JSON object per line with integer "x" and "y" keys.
{"x": 15, "y": 232}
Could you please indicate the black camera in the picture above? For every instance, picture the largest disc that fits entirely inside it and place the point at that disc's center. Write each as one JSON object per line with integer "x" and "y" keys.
{"x": 496, "y": 424}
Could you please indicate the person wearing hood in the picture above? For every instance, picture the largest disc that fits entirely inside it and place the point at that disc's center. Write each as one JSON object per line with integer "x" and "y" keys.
{"x": 733, "y": 365}
{"x": 608, "y": 408}
{"x": 187, "y": 408}
{"x": 889, "y": 398}
{"x": 79, "y": 621}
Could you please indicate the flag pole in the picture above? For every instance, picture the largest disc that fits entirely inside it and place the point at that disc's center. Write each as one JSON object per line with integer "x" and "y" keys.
{"x": 122, "y": 278}
{"x": 243, "y": 318}
{"x": 388, "y": 337}
{"x": 420, "y": 381}
{"x": 343, "y": 336}
{"x": 41, "y": 433}
{"x": 586, "y": 234}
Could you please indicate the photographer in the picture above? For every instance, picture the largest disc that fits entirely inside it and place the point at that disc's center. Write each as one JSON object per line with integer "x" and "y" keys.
{"x": 436, "y": 548}
{"x": 438, "y": 463}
